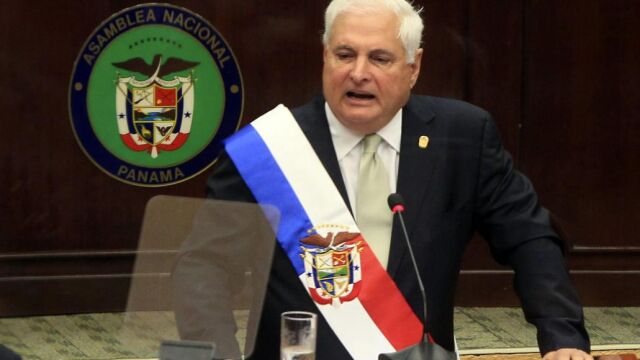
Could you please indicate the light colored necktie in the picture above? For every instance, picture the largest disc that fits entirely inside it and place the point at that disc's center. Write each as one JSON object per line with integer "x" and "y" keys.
{"x": 372, "y": 213}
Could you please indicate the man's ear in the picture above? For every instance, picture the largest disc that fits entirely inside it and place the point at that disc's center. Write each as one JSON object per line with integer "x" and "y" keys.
{"x": 415, "y": 67}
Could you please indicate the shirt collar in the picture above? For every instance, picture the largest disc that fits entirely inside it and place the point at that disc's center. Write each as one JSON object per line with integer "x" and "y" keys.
{"x": 345, "y": 139}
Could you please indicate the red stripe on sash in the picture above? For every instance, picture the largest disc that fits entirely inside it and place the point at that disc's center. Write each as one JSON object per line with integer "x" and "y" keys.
{"x": 385, "y": 303}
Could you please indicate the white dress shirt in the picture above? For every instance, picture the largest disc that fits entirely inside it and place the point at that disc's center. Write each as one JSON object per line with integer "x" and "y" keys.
{"x": 348, "y": 147}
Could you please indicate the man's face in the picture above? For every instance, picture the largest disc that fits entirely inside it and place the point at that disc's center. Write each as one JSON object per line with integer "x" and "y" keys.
{"x": 366, "y": 78}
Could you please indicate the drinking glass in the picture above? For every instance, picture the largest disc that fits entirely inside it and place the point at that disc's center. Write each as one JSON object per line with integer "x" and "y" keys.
{"x": 298, "y": 333}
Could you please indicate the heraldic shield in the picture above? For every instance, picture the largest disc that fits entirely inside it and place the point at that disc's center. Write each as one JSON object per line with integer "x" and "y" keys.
{"x": 154, "y": 114}
{"x": 333, "y": 273}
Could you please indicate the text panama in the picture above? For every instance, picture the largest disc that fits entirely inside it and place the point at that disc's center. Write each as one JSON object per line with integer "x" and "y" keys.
{"x": 150, "y": 176}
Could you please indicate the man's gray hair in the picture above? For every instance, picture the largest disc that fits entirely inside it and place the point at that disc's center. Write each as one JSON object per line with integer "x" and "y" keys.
{"x": 409, "y": 32}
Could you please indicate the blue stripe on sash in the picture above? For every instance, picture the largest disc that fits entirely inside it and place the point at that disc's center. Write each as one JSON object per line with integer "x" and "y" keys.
{"x": 269, "y": 185}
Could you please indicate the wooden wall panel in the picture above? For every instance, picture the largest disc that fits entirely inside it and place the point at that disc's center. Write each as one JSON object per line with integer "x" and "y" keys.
{"x": 560, "y": 80}
{"x": 562, "y": 84}
{"x": 55, "y": 198}
{"x": 494, "y": 72}
{"x": 581, "y": 122}
{"x": 444, "y": 48}
{"x": 65, "y": 224}
{"x": 494, "y": 66}
{"x": 580, "y": 126}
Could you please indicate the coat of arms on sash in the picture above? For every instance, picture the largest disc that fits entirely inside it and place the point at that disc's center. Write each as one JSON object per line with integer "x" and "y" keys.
{"x": 332, "y": 266}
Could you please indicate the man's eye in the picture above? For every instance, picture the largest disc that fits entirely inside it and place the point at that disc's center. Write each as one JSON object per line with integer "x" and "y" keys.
{"x": 381, "y": 60}
{"x": 344, "y": 56}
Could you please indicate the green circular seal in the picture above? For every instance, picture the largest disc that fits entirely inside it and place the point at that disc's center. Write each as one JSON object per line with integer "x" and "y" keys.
{"x": 154, "y": 91}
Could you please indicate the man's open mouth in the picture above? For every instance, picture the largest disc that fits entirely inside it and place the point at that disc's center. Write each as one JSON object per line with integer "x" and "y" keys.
{"x": 357, "y": 95}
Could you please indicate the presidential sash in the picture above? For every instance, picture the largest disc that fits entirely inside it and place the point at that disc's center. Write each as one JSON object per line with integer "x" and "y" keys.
{"x": 351, "y": 289}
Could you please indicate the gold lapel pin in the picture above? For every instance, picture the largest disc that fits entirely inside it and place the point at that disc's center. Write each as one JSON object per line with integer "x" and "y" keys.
{"x": 423, "y": 142}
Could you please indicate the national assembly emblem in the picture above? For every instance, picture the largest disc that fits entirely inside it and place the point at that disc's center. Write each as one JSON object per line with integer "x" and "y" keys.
{"x": 154, "y": 114}
{"x": 332, "y": 266}
{"x": 154, "y": 92}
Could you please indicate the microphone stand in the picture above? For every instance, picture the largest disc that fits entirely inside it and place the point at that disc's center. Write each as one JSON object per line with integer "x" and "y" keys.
{"x": 425, "y": 349}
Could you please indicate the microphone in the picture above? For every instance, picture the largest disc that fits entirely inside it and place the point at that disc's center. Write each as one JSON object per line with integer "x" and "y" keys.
{"x": 396, "y": 204}
{"x": 426, "y": 349}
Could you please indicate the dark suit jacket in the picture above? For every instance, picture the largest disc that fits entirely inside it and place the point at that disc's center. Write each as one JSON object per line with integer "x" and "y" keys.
{"x": 7, "y": 354}
{"x": 464, "y": 181}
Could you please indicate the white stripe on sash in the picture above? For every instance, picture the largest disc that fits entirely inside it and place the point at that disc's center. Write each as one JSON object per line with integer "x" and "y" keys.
{"x": 280, "y": 132}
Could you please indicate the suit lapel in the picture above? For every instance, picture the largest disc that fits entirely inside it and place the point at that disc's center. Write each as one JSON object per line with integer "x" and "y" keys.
{"x": 415, "y": 169}
{"x": 313, "y": 122}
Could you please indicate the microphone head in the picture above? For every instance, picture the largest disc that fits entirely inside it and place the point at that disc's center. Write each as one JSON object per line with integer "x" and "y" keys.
{"x": 396, "y": 202}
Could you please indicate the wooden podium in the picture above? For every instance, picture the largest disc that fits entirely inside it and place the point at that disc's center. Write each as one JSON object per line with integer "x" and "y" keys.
{"x": 617, "y": 357}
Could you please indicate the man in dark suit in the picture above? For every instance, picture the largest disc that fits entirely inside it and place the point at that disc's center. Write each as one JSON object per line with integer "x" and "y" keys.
{"x": 445, "y": 157}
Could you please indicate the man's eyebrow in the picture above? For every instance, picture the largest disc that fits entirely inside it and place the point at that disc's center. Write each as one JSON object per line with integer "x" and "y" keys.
{"x": 381, "y": 52}
{"x": 343, "y": 47}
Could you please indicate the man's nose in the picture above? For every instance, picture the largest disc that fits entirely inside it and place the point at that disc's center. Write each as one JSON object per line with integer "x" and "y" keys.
{"x": 360, "y": 71}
